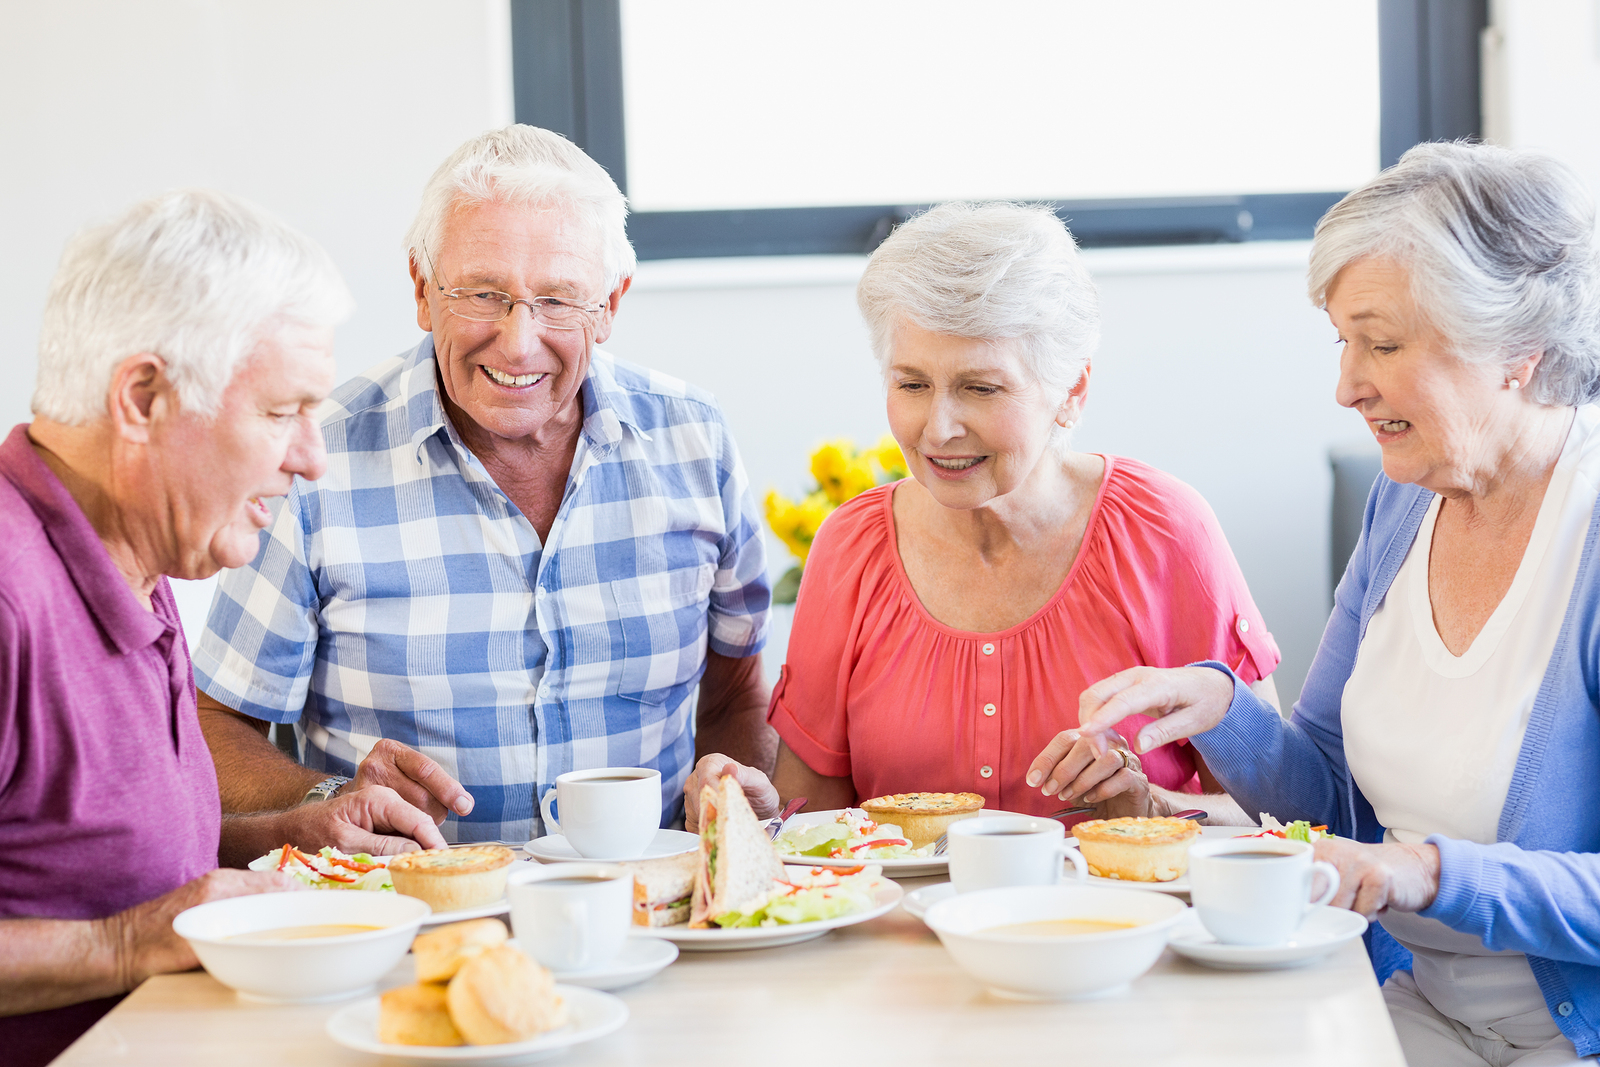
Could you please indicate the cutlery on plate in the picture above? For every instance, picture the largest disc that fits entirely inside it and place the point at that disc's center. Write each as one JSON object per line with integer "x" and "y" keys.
{"x": 775, "y": 826}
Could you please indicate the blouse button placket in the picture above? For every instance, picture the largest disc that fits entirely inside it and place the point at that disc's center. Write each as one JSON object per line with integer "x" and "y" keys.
{"x": 990, "y": 694}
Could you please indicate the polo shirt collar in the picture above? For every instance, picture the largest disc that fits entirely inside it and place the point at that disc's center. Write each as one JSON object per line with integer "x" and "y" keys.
{"x": 104, "y": 590}
{"x": 607, "y": 407}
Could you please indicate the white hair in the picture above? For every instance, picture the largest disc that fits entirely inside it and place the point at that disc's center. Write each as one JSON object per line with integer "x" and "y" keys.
{"x": 1501, "y": 249}
{"x": 196, "y": 277}
{"x": 991, "y": 272}
{"x": 525, "y": 166}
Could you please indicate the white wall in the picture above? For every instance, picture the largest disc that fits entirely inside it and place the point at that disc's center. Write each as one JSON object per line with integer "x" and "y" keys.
{"x": 1214, "y": 367}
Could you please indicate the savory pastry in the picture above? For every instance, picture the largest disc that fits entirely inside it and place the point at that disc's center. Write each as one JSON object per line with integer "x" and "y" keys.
{"x": 922, "y": 817}
{"x": 1136, "y": 849}
{"x": 450, "y": 879}
{"x": 417, "y": 1015}
{"x": 501, "y": 995}
{"x": 441, "y": 952}
{"x": 662, "y": 888}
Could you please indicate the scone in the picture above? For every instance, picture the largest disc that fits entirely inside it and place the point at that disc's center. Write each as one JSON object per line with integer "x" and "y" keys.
{"x": 450, "y": 879}
{"x": 501, "y": 995}
{"x": 417, "y": 1015}
{"x": 922, "y": 817}
{"x": 1135, "y": 849}
{"x": 441, "y": 952}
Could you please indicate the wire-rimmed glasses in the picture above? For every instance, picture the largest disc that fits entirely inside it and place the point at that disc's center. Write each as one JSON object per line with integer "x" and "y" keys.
{"x": 490, "y": 305}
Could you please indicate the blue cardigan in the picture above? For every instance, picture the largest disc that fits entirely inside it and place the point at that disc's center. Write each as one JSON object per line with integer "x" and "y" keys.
{"x": 1537, "y": 889}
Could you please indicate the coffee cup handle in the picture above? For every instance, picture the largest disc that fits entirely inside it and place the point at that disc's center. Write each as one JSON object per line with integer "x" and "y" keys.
{"x": 1331, "y": 873}
{"x": 1079, "y": 865}
{"x": 547, "y": 810}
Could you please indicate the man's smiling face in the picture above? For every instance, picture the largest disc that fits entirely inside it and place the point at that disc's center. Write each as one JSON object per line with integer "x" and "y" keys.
{"x": 513, "y": 377}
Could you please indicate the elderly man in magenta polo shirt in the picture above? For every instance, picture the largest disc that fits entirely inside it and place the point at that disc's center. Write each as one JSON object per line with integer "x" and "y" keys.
{"x": 526, "y": 553}
{"x": 182, "y": 352}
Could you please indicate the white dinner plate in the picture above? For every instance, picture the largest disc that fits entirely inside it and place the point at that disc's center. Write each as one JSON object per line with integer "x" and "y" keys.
{"x": 717, "y": 939}
{"x": 593, "y": 1014}
{"x": 901, "y": 867}
{"x": 918, "y": 901}
{"x": 1179, "y": 884}
{"x": 555, "y": 848}
{"x": 482, "y": 911}
{"x": 1323, "y": 931}
{"x": 640, "y": 958}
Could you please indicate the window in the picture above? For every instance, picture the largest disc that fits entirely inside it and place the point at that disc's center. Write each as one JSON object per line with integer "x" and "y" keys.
{"x": 759, "y": 128}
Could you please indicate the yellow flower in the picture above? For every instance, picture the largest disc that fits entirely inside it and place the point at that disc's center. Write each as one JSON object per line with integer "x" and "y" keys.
{"x": 889, "y": 458}
{"x": 796, "y": 524}
{"x": 829, "y": 464}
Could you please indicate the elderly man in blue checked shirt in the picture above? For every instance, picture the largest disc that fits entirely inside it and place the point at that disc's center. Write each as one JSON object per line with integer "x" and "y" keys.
{"x": 525, "y": 553}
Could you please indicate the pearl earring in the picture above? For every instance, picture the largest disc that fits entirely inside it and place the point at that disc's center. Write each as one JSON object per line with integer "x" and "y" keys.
{"x": 1069, "y": 424}
{"x": 1513, "y": 383}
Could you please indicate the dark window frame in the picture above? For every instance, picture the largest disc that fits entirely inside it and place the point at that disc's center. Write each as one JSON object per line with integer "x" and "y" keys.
{"x": 567, "y": 64}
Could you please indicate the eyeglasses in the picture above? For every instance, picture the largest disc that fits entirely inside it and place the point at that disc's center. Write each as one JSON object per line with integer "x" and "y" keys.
{"x": 488, "y": 305}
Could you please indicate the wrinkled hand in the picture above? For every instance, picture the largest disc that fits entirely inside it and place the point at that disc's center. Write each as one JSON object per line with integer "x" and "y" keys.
{"x": 1185, "y": 700}
{"x": 419, "y": 780}
{"x": 1073, "y": 767}
{"x": 758, "y": 788}
{"x": 363, "y": 820}
{"x": 1375, "y": 877}
{"x": 142, "y": 937}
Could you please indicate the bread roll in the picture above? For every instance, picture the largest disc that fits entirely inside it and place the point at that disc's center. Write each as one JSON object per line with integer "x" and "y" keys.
{"x": 451, "y": 879}
{"x": 441, "y": 952}
{"x": 501, "y": 996}
{"x": 417, "y": 1015}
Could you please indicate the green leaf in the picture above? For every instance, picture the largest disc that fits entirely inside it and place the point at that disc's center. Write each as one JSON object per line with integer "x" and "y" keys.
{"x": 787, "y": 591}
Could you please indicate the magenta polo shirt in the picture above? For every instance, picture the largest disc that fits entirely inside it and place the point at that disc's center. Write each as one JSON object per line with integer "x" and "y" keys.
{"x": 107, "y": 792}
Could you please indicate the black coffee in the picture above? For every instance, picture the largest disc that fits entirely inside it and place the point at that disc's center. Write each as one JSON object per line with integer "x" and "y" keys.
{"x": 1008, "y": 833}
{"x": 610, "y": 778}
{"x": 580, "y": 880}
{"x": 1251, "y": 855}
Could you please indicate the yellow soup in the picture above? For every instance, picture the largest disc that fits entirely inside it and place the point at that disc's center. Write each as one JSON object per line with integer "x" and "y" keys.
{"x": 1060, "y": 928}
{"x": 297, "y": 933}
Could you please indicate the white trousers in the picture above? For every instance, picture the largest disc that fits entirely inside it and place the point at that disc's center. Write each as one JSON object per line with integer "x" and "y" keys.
{"x": 1431, "y": 1039}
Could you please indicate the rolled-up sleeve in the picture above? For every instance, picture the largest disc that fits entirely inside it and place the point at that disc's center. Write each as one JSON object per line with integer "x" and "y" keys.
{"x": 741, "y": 597}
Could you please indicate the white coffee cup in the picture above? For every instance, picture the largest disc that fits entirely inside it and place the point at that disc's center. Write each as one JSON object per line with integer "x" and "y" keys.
{"x": 571, "y": 916}
{"x": 1255, "y": 890}
{"x": 608, "y": 813}
{"x": 1005, "y": 850}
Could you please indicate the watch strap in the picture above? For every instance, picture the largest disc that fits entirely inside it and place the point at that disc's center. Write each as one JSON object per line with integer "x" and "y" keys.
{"x": 325, "y": 788}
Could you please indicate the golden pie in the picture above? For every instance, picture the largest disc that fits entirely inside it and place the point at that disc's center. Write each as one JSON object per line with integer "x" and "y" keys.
{"x": 450, "y": 879}
{"x": 922, "y": 817}
{"x": 1137, "y": 849}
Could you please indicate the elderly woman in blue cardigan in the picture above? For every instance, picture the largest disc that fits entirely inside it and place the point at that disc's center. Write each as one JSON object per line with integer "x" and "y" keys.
{"x": 1449, "y": 729}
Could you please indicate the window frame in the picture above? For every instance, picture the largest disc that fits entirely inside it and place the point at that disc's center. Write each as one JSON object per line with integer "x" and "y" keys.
{"x": 567, "y": 71}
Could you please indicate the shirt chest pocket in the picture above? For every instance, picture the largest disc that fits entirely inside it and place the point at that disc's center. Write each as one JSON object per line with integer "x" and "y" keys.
{"x": 662, "y": 619}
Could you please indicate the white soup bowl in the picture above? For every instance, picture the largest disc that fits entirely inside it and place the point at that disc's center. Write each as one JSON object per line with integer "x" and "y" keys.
{"x": 307, "y": 970}
{"x": 1055, "y": 968}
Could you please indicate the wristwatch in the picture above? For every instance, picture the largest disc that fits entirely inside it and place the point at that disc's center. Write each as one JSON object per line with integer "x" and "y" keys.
{"x": 325, "y": 789}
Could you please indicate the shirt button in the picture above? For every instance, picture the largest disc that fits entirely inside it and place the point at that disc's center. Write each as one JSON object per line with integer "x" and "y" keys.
{"x": 1564, "y": 1009}
{"x": 986, "y": 770}
{"x": 988, "y": 650}
{"x": 1244, "y": 625}
{"x": 988, "y": 709}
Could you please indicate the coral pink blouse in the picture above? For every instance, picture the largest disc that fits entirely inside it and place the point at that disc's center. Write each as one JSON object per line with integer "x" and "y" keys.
{"x": 877, "y": 689}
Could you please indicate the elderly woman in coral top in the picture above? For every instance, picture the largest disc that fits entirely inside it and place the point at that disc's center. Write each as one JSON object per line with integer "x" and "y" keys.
{"x": 947, "y": 623}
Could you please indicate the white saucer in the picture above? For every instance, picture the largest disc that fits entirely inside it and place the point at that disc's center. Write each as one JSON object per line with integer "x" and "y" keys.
{"x": 639, "y": 959}
{"x": 918, "y": 901}
{"x": 593, "y": 1015}
{"x": 482, "y": 911}
{"x": 1322, "y": 932}
{"x": 554, "y": 848}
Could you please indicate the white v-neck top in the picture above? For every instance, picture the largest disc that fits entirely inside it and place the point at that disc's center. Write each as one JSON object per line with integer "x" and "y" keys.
{"x": 1432, "y": 738}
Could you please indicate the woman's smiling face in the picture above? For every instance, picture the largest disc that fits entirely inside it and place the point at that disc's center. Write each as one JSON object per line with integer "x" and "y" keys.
{"x": 1439, "y": 419}
{"x": 971, "y": 418}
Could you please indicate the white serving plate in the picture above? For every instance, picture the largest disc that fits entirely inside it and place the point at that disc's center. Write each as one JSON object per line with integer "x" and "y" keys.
{"x": 1179, "y": 884}
{"x": 720, "y": 940}
{"x": 902, "y": 867}
{"x": 555, "y": 848}
{"x": 594, "y": 1015}
{"x": 1323, "y": 931}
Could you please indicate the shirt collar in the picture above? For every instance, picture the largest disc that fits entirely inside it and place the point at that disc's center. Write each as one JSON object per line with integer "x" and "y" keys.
{"x": 104, "y": 590}
{"x": 607, "y": 407}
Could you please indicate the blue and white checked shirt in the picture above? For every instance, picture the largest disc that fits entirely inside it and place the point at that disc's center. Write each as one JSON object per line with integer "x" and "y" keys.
{"x": 403, "y": 595}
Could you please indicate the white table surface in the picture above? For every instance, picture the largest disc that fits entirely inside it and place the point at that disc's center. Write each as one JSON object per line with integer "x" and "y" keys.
{"x": 883, "y": 992}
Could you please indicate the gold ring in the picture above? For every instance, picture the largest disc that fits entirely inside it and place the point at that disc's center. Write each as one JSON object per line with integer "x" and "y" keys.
{"x": 1122, "y": 752}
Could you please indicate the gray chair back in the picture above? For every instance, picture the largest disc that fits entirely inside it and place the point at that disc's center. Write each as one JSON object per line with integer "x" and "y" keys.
{"x": 1354, "y": 471}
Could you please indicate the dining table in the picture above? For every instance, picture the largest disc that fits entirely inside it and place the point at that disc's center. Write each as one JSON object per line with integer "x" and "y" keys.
{"x": 881, "y": 992}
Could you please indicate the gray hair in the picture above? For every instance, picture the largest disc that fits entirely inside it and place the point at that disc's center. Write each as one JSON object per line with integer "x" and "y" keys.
{"x": 196, "y": 277}
{"x": 1500, "y": 245}
{"x": 991, "y": 272}
{"x": 528, "y": 167}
